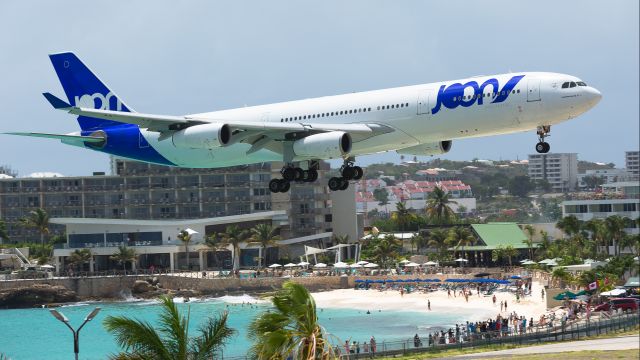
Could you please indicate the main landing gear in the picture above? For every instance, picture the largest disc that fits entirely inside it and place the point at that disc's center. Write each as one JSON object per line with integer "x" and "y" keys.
{"x": 289, "y": 174}
{"x": 348, "y": 172}
{"x": 543, "y": 147}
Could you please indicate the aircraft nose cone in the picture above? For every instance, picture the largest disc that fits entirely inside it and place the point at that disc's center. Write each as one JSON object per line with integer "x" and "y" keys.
{"x": 595, "y": 95}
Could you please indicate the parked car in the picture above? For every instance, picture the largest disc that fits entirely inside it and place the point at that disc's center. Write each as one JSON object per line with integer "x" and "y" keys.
{"x": 623, "y": 304}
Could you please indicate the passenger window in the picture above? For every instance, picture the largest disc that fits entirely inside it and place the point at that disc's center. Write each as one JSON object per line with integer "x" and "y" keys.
{"x": 518, "y": 91}
{"x": 565, "y": 85}
{"x": 580, "y": 83}
{"x": 572, "y": 84}
{"x": 407, "y": 104}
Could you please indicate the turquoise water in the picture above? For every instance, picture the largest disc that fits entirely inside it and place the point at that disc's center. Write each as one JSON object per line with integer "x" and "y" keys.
{"x": 27, "y": 334}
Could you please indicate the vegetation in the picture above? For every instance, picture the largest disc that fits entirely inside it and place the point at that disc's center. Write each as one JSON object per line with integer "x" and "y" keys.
{"x": 4, "y": 236}
{"x": 291, "y": 330}
{"x": 459, "y": 237}
{"x": 185, "y": 237}
{"x": 504, "y": 252}
{"x": 234, "y": 236}
{"x": 124, "y": 255}
{"x": 80, "y": 257}
{"x": 382, "y": 250}
{"x": 438, "y": 207}
{"x": 37, "y": 219}
{"x": 171, "y": 341}
{"x": 264, "y": 235}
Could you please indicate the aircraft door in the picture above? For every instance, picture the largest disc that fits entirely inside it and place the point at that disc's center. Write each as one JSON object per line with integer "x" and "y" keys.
{"x": 533, "y": 90}
{"x": 424, "y": 99}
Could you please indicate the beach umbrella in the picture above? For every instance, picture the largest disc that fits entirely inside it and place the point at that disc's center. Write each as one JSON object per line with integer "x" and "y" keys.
{"x": 378, "y": 281}
{"x": 565, "y": 295}
{"x": 355, "y": 265}
{"x": 552, "y": 263}
{"x": 340, "y": 265}
{"x": 515, "y": 277}
{"x": 273, "y": 266}
{"x": 529, "y": 262}
{"x": 391, "y": 280}
{"x": 544, "y": 261}
{"x": 190, "y": 231}
{"x": 303, "y": 263}
{"x": 404, "y": 261}
{"x": 430, "y": 263}
{"x": 320, "y": 265}
{"x": 47, "y": 266}
{"x": 290, "y": 265}
{"x": 371, "y": 265}
{"x": 359, "y": 281}
{"x": 411, "y": 264}
{"x": 461, "y": 259}
{"x": 362, "y": 262}
{"x": 525, "y": 260}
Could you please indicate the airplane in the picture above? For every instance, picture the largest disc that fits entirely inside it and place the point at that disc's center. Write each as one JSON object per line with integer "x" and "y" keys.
{"x": 414, "y": 120}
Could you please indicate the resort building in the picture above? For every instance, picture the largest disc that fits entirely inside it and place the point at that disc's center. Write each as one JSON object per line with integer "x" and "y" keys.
{"x": 632, "y": 162}
{"x": 559, "y": 169}
{"x": 607, "y": 175}
{"x": 140, "y": 191}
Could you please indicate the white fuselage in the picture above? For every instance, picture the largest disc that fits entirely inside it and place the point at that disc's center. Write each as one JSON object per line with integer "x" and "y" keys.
{"x": 536, "y": 99}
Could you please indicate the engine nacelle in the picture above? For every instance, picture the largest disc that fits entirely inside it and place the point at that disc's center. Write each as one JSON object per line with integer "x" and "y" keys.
{"x": 436, "y": 148}
{"x": 205, "y": 136}
{"x": 327, "y": 145}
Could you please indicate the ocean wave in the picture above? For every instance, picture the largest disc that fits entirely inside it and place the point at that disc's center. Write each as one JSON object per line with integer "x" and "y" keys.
{"x": 239, "y": 299}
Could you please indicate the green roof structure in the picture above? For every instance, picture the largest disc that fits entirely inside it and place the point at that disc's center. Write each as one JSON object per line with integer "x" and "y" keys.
{"x": 492, "y": 235}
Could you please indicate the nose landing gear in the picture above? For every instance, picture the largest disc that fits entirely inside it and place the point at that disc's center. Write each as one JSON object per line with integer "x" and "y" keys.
{"x": 543, "y": 147}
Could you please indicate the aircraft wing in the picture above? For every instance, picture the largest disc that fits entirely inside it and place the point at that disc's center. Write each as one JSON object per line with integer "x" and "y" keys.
{"x": 65, "y": 138}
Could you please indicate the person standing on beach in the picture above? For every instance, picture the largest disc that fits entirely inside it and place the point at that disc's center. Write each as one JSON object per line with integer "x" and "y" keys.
{"x": 449, "y": 292}
{"x": 429, "y": 305}
{"x": 372, "y": 344}
{"x": 542, "y": 293}
{"x": 494, "y": 300}
{"x": 505, "y": 305}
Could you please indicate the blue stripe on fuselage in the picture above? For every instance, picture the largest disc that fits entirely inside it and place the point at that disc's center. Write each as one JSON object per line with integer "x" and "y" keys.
{"x": 125, "y": 141}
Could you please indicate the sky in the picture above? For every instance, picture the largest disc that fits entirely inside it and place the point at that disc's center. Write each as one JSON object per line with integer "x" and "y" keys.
{"x": 182, "y": 57}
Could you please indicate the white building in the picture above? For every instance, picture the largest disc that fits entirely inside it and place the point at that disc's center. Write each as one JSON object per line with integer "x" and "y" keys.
{"x": 607, "y": 175}
{"x": 559, "y": 169}
{"x": 632, "y": 162}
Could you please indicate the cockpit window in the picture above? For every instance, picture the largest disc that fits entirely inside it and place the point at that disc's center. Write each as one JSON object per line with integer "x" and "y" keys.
{"x": 580, "y": 83}
{"x": 572, "y": 84}
{"x": 565, "y": 85}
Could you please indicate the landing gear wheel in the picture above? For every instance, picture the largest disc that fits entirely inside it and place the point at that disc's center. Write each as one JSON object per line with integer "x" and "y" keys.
{"x": 283, "y": 186}
{"x": 274, "y": 185}
{"x": 344, "y": 184}
{"x": 299, "y": 174}
{"x": 313, "y": 175}
{"x": 348, "y": 172}
{"x": 335, "y": 183}
{"x": 543, "y": 147}
{"x": 357, "y": 173}
{"x": 289, "y": 174}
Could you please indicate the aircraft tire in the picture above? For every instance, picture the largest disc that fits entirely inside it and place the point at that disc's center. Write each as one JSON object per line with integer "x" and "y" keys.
{"x": 334, "y": 184}
{"x": 284, "y": 186}
{"x": 357, "y": 173}
{"x": 344, "y": 184}
{"x": 348, "y": 173}
{"x": 313, "y": 175}
{"x": 274, "y": 185}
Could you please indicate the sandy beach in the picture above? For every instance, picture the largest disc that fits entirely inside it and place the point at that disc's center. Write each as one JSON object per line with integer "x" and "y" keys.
{"x": 479, "y": 308}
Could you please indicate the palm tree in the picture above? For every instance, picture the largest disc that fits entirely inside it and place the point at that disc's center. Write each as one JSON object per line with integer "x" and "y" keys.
{"x": 213, "y": 243}
{"x": 497, "y": 254}
{"x": 140, "y": 339}
{"x": 79, "y": 257}
{"x": 385, "y": 249}
{"x": 3, "y": 231}
{"x": 291, "y": 330}
{"x": 124, "y": 255}
{"x": 510, "y": 252}
{"x": 615, "y": 225}
{"x": 402, "y": 216}
{"x": 570, "y": 225}
{"x": 545, "y": 244}
{"x": 264, "y": 235}
{"x": 185, "y": 237}
{"x": 234, "y": 236}
{"x": 417, "y": 241}
{"x": 438, "y": 239}
{"x": 438, "y": 206}
{"x": 460, "y": 236}
{"x": 531, "y": 232}
{"x": 598, "y": 232}
{"x": 37, "y": 219}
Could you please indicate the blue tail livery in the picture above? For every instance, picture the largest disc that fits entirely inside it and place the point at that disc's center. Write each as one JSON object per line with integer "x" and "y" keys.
{"x": 84, "y": 89}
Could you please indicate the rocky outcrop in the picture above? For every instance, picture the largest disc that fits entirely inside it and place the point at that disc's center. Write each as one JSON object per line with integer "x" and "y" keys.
{"x": 149, "y": 288}
{"x": 35, "y": 295}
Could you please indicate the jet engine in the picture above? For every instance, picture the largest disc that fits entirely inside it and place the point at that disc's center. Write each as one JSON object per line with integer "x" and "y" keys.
{"x": 205, "y": 136}
{"x": 430, "y": 149}
{"x": 327, "y": 145}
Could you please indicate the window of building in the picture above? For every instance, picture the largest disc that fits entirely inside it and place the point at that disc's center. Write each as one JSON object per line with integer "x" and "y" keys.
{"x": 604, "y": 208}
{"x": 581, "y": 209}
{"x": 629, "y": 207}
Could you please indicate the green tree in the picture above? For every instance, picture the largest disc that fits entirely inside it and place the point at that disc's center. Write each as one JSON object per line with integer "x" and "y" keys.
{"x": 185, "y": 237}
{"x": 385, "y": 250}
{"x": 264, "y": 235}
{"x": 438, "y": 207}
{"x": 598, "y": 231}
{"x": 570, "y": 225}
{"x": 79, "y": 257}
{"x": 510, "y": 252}
{"x": 402, "y": 216}
{"x": 381, "y": 196}
{"x": 124, "y": 255}
{"x": 531, "y": 232}
{"x": 140, "y": 339}
{"x": 37, "y": 219}
{"x": 417, "y": 241}
{"x": 592, "y": 182}
{"x": 437, "y": 238}
{"x": 615, "y": 225}
{"x": 520, "y": 186}
{"x": 213, "y": 242}
{"x": 291, "y": 330}
{"x": 235, "y": 236}
{"x": 459, "y": 237}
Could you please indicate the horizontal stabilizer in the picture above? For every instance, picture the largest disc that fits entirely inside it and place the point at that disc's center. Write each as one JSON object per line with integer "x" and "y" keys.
{"x": 77, "y": 140}
{"x": 56, "y": 102}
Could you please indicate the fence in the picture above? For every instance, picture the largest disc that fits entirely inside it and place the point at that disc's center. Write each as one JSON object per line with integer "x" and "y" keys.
{"x": 573, "y": 331}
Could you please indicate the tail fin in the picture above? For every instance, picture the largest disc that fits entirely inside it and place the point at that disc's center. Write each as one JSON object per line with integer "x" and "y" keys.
{"x": 84, "y": 89}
